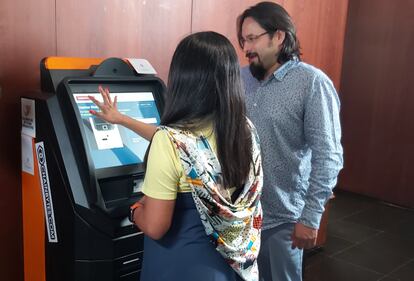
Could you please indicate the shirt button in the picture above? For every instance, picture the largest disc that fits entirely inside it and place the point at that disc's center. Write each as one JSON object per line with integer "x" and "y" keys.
{"x": 255, "y": 104}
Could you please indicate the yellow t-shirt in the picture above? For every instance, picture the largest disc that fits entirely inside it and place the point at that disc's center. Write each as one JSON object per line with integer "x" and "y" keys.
{"x": 165, "y": 175}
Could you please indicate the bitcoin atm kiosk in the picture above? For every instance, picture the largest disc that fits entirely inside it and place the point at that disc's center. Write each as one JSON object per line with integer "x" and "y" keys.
{"x": 87, "y": 173}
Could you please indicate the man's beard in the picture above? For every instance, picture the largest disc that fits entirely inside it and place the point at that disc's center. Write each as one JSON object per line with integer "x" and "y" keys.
{"x": 258, "y": 71}
{"x": 256, "y": 68}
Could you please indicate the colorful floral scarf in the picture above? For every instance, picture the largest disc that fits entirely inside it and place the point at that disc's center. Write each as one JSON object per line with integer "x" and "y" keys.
{"x": 235, "y": 227}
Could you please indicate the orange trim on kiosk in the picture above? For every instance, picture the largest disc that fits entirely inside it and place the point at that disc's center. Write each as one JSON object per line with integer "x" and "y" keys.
{"x": 33, "y": 224}
{"x": 70, "y": 62}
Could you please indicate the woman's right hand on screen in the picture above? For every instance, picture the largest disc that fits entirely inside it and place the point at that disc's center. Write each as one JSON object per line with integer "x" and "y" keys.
{"x": 108, "y": 108}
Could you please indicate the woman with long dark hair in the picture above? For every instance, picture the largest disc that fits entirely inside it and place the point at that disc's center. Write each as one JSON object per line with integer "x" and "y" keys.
{"x": 201, "y": 212}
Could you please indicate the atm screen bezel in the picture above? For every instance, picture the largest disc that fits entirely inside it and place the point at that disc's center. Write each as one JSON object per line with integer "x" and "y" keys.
{"x": 90, "y": 85}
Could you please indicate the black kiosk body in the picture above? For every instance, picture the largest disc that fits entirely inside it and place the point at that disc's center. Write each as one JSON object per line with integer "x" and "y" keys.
{"x": 94, "y": 169}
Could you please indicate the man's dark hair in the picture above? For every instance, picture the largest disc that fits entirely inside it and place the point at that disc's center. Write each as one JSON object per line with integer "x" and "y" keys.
{"x": 272, "y": 17}
{"x": 204, "y": 84}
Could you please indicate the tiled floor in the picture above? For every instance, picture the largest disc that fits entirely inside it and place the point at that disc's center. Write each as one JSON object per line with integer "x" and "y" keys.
{"x": 367, "y": 240}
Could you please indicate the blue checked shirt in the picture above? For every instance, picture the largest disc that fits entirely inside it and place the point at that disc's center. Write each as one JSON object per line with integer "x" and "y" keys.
{"x": 296, "y": 113}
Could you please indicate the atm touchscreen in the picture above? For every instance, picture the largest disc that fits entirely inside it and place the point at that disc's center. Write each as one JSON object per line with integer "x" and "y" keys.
{"x": 112, "y": 145}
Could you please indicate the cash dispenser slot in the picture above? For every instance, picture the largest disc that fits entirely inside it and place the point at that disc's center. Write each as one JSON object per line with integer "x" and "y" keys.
{"x": 120, "y": 191}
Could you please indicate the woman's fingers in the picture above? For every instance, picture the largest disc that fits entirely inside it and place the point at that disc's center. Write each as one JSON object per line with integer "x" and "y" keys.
{"x": 107, "y": 109}
{"x": 100, "y": 105}
{"x": 115, "y": 102}
{"x": 94, "y": 112}
{"x": 95, "y": 101}
{"x": 102, "y": 91}
{"x": 105, "y": 95}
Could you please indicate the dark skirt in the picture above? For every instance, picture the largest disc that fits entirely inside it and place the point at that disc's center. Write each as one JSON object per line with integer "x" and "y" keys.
{"x": 185, "y": 253}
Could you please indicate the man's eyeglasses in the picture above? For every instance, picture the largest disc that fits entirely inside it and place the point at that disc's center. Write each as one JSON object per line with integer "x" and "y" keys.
{"x": 251, "y": 38}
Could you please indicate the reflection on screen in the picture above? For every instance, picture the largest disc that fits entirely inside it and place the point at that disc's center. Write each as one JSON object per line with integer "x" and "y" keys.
{"x": 111, "y": 145}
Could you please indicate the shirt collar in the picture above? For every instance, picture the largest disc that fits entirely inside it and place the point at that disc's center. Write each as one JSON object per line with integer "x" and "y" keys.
{"x": 281, "y": 72}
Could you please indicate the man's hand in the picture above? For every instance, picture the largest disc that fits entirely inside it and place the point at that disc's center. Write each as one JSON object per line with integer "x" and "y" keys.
{"x": 303, "y": 237}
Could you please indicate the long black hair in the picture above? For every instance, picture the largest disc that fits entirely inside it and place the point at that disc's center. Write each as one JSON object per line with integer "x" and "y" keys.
{"x": 204, "y": 84}
{"x": 273, "y": 17}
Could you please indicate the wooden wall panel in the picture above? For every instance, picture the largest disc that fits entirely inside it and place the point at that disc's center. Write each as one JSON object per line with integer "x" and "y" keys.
{"x": 164, "y": 24}
{"x": 320, "y": 27}
{"x": 378, "y": 100}
{"x": 220, "y": 16}
{"x": 107, "y": 28}
{"x": 27, "y": 34}
{"x": 321, "y": 30}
